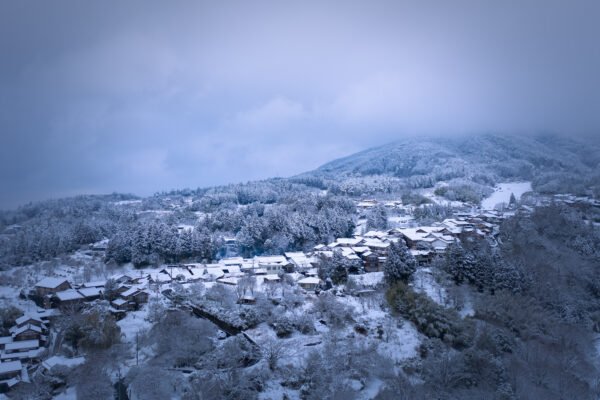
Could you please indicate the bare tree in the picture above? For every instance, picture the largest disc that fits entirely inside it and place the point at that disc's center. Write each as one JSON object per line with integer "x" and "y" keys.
{"x": 273, "y": 350}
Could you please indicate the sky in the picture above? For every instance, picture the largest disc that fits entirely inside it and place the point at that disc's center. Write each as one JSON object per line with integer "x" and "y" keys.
{"x": 145, "y": 96}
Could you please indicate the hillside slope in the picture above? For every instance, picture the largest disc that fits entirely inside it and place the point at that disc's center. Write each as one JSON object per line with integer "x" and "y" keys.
{"x": 484, "y": 158}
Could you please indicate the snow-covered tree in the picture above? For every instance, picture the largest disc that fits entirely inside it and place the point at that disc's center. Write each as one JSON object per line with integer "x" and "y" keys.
{"x": 111, "y": 289}
{"x": 400, "y": 263}
{"x": 377, "y": 218}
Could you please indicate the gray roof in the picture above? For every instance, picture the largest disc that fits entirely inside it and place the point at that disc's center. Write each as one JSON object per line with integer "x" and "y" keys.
{"x": 10, "y": 366}
{"x": 51, "y": 283}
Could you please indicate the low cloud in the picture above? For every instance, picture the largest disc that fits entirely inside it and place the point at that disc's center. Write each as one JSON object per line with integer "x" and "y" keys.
{"x": 149, "y": 96}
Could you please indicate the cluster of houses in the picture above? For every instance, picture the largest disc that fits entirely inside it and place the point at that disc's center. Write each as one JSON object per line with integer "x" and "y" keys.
{"x": 22, "y": 352}
{"x": 58, "y": 292}
{"x": 424, "y": 242}
{"x": 24, "y": 348}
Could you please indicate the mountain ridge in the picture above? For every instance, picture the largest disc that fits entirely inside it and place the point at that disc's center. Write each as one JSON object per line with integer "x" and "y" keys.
{"x": 421, "y": 155}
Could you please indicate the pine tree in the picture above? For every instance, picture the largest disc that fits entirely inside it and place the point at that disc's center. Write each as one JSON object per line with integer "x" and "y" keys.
{"x": 377, "y": 218}
{"x": 400, "y": 264}
{"x": 513, "y": 201}
{"x": 111, "y": 291}
{"x": 339, "y": 268}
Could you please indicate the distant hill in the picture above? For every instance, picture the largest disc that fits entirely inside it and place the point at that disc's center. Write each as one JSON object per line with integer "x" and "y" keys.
{"x": 507, "y": 156}
{"x": 547, "y": 160}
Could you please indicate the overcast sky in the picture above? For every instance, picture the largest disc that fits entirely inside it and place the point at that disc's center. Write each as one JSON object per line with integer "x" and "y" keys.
{"x": 143, "y": 96}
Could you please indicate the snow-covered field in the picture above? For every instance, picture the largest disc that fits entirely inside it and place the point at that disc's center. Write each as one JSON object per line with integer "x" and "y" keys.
{"x": 502, "y": 193}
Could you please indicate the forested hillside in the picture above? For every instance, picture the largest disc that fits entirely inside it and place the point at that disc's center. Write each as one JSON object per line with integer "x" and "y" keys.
{"x": 554, "y": 164}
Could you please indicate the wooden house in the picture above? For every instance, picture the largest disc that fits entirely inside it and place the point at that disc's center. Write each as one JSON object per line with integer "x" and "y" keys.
{"x": 51, "y": 286}
{"x": 27, "y": 332}
{"x": 68, "y": 297}
{"x": 120, "y": 304}
{"x": 29, "y": 319}
{"x": 309, "y": 283}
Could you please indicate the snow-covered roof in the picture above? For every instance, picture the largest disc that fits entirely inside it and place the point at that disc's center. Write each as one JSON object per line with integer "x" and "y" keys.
{"x": 6, "y": 339}
{"x": 90, "y": 292}
{"x": 272, "y": 277}
{"x": 160, "y": 277}
{"x": 419, "y": 252}
{"x": 27, "y": 317}
{"x": 299, "y": 259}
{"x": 21, "y": 355}
{"x": 130, "y": 292}
{"x": 232, "y": 261}
{"x": 24, "y": 344}
{"x": 215, "y": 272}
{"x": 48, "y": 313}
{"x": 51, "y": 283}
{"x": 28, "y": 327}
{"x": 95, "y": 284}
{"x": 259, "y": 271}
{"x": 10, "y": 366}
{"x": 119, "y": 302}
{"x": 360, "y": 249}
{"x": 230, "y": 269}
{"x": 293, "y": 254}
{"x": 69, "y": 294}
{"x": 228, "y": 281}
{"x": 347, "y": 241}
{"x": 377, "y": 234}
{"x": 270, "y": 260}
{"x": 309, "y": 280}
{"x": 64, "y": 361}
{"x": 374, "y": 243}
{"x": 420, "y": 233}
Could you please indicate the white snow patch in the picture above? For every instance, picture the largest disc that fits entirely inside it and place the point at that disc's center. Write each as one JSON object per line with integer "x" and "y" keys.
{"x": 425, "y": 283}
{"x": 134, "y": 321}
{"x": 502, "y": 193}
{"x": 402, "y": 344}
{"x": 371, "y": 390}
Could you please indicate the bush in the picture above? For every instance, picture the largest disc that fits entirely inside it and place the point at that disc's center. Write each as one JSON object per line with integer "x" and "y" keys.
{"x": 304, "y": 323}
{"x": 283, "y": 326}
{"x": 335, "y": 313}
{"x": 464, "y": 193}
{"x": 430, "y": 319}
{"x": 8, "y": 317}
{"x": 414, "y": 198}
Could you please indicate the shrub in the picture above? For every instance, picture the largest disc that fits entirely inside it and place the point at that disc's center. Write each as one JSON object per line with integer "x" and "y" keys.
{"x": 430, "y": 319}
{"x": 283, "y": 326}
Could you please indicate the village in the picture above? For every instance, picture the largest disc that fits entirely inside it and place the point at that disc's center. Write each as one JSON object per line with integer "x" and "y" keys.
{"x": 28, "y": 348}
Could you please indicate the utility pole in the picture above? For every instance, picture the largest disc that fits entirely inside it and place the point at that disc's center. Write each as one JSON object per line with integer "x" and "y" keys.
{"x": 137, "y": 348}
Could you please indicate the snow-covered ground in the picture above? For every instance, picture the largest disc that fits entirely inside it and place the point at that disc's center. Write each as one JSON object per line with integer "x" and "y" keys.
{"x": 69, "y": 394}
{"x": 134, "y": 322}
{"x": 502, "y": 193}
{"x": 400, "y": 221}
{"x": 425, "y": 283}
{"x": 361, "y": 226}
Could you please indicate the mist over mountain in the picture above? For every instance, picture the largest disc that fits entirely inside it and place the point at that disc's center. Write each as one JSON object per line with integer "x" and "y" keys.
{"x": 554, "y": 163}
{"x": 504, "y": 156}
